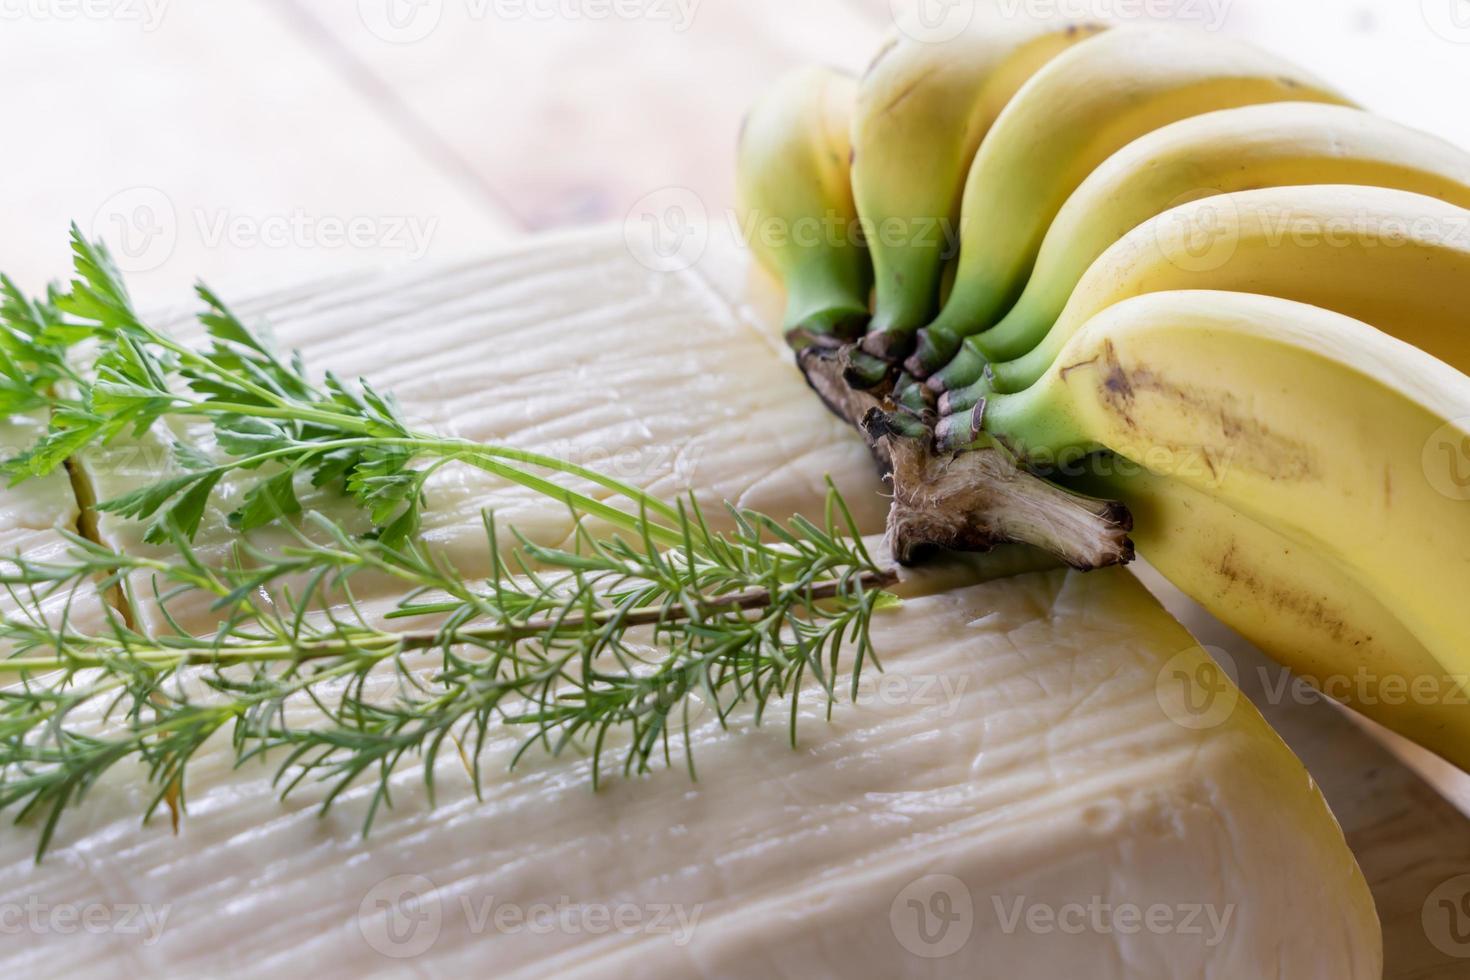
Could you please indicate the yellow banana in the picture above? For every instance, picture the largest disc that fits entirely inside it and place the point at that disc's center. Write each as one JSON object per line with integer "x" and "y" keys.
{"x": 1276, "y": 145}
{"x": 1345, "y": 441}
{"x": 797, "y": 206}
{"x": 1084, "y": 106}
{"x": 1295, "y": 605}
{"x": 1397, "y": 260}
{"x": 922, "y": 109}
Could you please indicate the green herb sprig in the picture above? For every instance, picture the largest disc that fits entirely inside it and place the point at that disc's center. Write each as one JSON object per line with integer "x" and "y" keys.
{"x": 268, "y": 416}
{"x": 610, "y": 641}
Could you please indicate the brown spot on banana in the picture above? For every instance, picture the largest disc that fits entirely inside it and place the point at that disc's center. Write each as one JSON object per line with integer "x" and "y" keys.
{"x": 1244, "y": 439}
{"x": 1312, "y": 610}
{"x": 908, "y": 90}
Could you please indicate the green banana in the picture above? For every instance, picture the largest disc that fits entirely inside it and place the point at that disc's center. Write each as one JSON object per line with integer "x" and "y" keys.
{"x": 1274, "y": 145}
{"x": 922, "y": 110}
{"x": 1085, "y": 105}
{"x": 1395, "y": 259}
{"x": 797, "y": 206}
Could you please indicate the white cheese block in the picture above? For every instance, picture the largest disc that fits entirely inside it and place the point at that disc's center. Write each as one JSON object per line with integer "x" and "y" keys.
{"x": 33, "y": 515}
{"x": 1030, "y": 792}
{"x": 568, "y": 346}
{"x": 1025, "y": 793}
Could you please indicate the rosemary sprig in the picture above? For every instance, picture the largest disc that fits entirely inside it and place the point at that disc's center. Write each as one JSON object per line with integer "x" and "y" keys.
{"x": 603, "y": 646}
{"x": 736, "y": 623}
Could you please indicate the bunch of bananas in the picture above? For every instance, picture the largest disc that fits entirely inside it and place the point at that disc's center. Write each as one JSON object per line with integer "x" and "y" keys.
{"x": 1156, "y": 266}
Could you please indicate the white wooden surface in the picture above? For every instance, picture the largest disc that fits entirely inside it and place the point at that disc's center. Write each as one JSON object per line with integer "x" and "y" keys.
{"x": 244, "y": 141}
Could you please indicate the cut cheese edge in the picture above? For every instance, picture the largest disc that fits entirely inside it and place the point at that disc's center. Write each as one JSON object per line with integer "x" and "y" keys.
{"x": 1022, "y": 755}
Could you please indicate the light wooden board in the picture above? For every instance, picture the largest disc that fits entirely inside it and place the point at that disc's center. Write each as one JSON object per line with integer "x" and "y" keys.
{"x": 215, "y": 142}
{"x": 262, "y": 109}
{"x": 570, "y": 120}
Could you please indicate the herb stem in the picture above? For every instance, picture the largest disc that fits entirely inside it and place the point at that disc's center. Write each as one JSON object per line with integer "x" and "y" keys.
{"x": 380, "y": 645}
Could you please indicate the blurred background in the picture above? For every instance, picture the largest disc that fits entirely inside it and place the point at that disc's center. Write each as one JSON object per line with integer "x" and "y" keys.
{"x": 257, "y": 143}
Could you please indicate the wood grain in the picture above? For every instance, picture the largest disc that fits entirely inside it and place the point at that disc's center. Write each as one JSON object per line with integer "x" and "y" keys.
{"x": 570, "y": 120}
{"x": 262, "y": 110}
{"x": 215, "y": 142}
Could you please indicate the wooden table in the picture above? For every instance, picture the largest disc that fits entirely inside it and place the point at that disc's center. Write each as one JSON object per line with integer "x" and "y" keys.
{"x": 262, "y": 142}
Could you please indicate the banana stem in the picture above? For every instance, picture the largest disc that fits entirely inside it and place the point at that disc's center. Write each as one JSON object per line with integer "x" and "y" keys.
{"x": 976, "y": 500}
{"x": 866, "y": 372}
{"x": 1019, "y": 331}
{"x": 965, "y": 368}
{"x": 1035, "y": 424}
{"x": 889, "y": 341}
{"x": 911, "y": 396}
{"x": 967, "y": 501}
{"x": 827, "y": 300}
{"x": 959, "y": 400}
{"x": 935, "y": 349}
